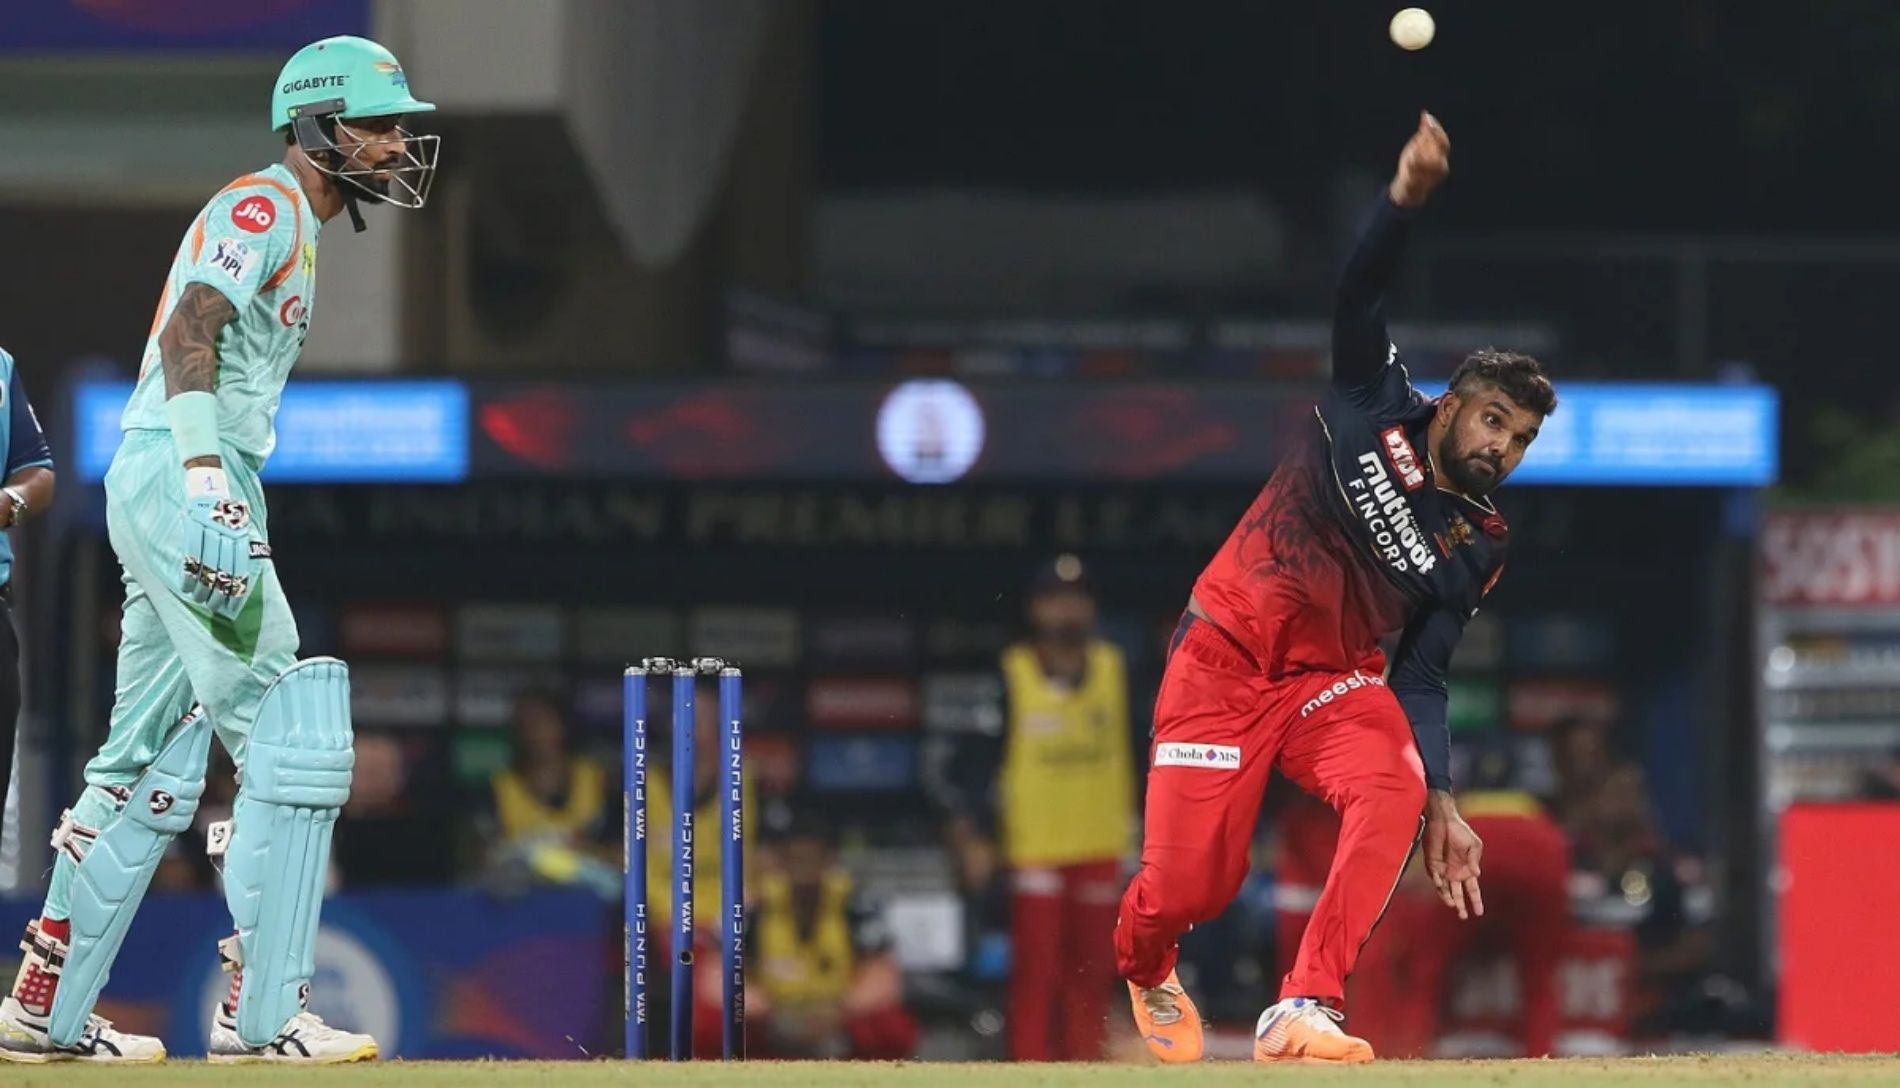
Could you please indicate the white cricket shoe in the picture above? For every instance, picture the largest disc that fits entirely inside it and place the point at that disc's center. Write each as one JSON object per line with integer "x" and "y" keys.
{"x": 304, "y": 1040}
{"x": 23, "y": 1038}
{"x": 1301, "y": 1029}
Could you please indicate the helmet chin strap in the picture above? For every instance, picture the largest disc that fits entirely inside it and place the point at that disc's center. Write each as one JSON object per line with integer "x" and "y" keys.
{"x": 349, "y": 205}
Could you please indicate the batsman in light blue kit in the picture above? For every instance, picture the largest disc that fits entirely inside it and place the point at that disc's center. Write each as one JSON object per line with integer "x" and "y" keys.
{"x": 208, "y": 643}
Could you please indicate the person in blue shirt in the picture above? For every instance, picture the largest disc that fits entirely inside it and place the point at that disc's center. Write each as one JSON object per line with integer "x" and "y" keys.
{"x": 28, "y": 490}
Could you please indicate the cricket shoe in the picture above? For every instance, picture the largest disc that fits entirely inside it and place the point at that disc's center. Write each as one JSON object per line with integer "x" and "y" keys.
{"x": 1302, "y": 1029}
{"x": 27, "y": 1008}
{"x": 305, "y": 1040}
{"x": 23, "y": 1038}
{"x": 1168, "y": 1021}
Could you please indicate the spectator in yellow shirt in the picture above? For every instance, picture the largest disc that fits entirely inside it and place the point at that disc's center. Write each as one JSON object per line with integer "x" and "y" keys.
{"x": 1052, "y": 797}
{"x": 550, "y": 803}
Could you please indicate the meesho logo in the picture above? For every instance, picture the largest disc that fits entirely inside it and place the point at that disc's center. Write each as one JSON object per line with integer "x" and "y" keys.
{"x": 1340, "y": 689}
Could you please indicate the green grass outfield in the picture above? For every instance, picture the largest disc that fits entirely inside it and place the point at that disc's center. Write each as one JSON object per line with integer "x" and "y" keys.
{"x": 1752, "y": 1071}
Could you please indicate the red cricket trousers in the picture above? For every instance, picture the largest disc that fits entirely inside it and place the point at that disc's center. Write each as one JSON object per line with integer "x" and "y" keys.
{"x": 1398, "y": 997}
{"x": 1220, "y": 726}
{"x": 1309, "y": 832}
{"x": 1061, "y": 921}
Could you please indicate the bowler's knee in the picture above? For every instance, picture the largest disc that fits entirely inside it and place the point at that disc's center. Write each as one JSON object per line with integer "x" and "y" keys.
{"x": 1393, "y": 791}
{"x": 1180, "y": 888}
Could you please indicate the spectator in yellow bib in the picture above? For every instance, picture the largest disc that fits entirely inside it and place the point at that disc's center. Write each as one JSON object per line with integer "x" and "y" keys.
{"x": 1055, "y": 793}
{"x": 824, "y": 959}
{"x": 550, "y": 815}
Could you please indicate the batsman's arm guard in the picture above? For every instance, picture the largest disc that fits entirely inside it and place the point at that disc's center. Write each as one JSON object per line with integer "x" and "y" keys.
{"x": 116, "y": 863}
{"x": 296, "y": 777}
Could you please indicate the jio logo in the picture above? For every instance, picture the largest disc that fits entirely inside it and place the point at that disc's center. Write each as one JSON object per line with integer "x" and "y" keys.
{"x": 254, "y": 214}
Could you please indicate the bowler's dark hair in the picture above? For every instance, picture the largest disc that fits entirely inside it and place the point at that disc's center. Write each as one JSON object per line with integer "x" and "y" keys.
{"x": 1520, "y": 377}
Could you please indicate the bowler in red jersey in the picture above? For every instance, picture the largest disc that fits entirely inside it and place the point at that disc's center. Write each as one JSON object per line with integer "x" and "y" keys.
{"x": 1379, "y": 523}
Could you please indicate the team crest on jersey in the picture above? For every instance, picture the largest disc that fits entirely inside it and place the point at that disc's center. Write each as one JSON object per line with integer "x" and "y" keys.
{"x": 1404, "y": 458}
{"x": 1457, "y": 531}
{"x": 233, "y": 258}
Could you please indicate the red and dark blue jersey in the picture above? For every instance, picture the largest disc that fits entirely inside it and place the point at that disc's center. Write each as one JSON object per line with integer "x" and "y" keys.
{"x": 1352, "y": 539}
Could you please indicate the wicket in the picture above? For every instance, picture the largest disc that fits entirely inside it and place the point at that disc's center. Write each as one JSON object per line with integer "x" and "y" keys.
{"x": 732, "y": 858}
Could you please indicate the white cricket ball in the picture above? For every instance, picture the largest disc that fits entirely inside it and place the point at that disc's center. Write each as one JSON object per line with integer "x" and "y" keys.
{"x": 1412, "y": 29}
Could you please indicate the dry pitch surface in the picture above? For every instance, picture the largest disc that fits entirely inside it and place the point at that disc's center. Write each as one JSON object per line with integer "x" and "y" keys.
{"x": 1768, "y": 1071}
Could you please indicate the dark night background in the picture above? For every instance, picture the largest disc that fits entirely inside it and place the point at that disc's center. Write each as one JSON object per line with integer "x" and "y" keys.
{"x": 1762, "y": 128}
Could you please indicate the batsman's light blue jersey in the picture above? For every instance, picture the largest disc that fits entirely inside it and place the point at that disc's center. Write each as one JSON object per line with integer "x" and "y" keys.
{"x": 256, "y": 244}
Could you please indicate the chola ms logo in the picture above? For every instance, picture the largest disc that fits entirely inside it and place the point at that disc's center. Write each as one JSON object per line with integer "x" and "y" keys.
{"x": 1404, "y": 458}
{"x": 1219, "y": 757}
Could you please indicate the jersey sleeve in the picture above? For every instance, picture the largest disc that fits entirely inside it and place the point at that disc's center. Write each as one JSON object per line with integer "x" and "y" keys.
{"x": 26, "y": 442}
{"x": 243, "y": 243}
{"x": 1418, "y": 677}
{"x": 1366, "y": 370}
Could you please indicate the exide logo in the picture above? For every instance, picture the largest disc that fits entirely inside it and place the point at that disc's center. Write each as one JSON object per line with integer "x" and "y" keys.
{"x": 1404, "y": 459}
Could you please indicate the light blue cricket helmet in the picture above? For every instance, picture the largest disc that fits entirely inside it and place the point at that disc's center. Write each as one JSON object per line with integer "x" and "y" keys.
{"x": 346, "y": 79}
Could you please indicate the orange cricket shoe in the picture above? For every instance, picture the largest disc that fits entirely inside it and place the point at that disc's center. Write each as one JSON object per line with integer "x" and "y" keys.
{"x": 1168, "y": 1021}
{"x": 1301, "y": 1029}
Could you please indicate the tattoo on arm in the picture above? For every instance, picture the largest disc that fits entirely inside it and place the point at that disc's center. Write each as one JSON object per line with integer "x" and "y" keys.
{"x": 188, "y": 348}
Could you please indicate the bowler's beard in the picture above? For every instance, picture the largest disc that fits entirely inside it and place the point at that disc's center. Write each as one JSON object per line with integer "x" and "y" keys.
{"x": 1466, "y": 471}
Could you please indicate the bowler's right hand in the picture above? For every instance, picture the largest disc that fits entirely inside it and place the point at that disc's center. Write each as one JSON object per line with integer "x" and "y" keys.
{"x": 1423, "y": 164}
{"x": 214, "y": 536}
